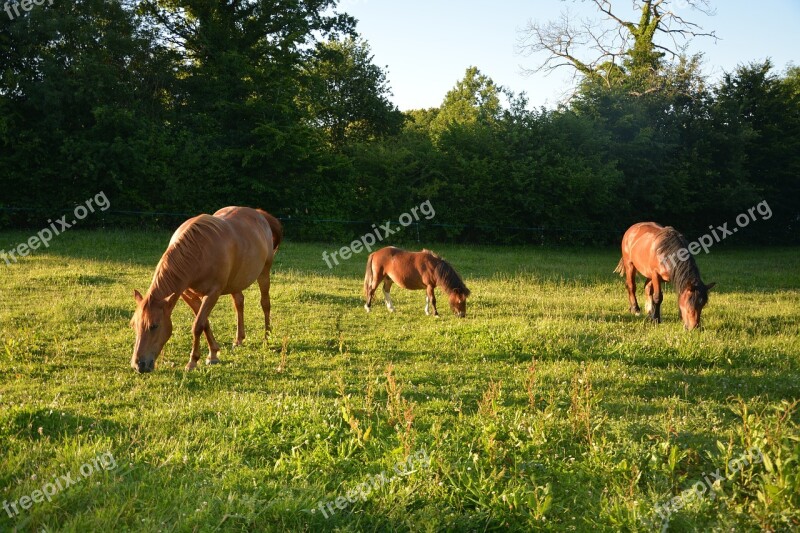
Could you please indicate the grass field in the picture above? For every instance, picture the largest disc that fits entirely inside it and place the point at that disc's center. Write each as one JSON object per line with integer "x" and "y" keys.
{"x": 547, "y": 408}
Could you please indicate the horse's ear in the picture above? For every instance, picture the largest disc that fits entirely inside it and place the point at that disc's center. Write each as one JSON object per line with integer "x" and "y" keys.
{"x": 711, "y": 286}
{"x": 137, "y": 296}
{"x": 172, "y": 300}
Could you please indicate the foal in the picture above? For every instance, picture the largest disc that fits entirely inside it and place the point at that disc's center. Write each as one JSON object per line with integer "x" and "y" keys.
{"x": 415, "y": 271}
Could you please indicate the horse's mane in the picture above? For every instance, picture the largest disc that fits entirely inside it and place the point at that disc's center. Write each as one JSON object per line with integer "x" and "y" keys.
{"x": 184, "y": 254}
{"x": 447, "y": 276}
{"x": 682, "y": 273}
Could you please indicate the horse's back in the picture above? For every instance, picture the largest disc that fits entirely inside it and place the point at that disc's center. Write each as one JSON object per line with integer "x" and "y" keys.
{"x": 410, "y": 270}
{"x": 201, "y": 225}
{"x": 639, "y": 246}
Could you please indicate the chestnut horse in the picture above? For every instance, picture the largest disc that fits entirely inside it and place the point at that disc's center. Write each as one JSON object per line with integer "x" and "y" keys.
{"x": 661, "y": 254}
{"x": 415, "y": 271}
{"x": 207, "y": 257}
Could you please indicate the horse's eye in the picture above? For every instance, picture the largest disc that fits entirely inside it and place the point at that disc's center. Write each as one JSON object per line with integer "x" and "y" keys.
{"x": 153, "y": 327}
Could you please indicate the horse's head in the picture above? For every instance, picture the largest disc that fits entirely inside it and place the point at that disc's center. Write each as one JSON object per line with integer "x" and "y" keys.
{"x": 152, "y": 323}
{"x": 458, "y": 302}
{"x": 691, "y": 302}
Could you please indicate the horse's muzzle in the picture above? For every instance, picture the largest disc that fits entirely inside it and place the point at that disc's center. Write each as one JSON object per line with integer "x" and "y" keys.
{"x": 145, "y": 367}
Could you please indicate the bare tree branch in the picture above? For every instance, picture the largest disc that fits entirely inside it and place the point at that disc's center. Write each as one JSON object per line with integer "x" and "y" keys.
{"x": 594, "y": 48}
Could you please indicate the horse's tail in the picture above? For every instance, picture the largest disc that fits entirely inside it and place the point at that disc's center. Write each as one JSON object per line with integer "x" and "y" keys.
{"x": 620, "y": 268}
{"x": 368, "y": 277}
{"x": 276, "y": 227}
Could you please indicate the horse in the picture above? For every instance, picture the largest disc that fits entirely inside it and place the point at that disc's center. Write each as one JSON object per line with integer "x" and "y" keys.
{"x": 414, "y": 271}
{"x": 661, "y": 254}
{"x": 208, "y": 256}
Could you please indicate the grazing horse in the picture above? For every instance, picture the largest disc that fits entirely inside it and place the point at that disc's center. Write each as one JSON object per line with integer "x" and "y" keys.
{"x": 207, "y": 257}
{"x": 661, "y": 254}
{"x": 415, "y": 271}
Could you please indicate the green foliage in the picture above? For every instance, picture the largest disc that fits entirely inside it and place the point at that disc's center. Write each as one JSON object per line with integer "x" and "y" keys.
{"x": 475, "y": 100}
{"x": 183, "y": 107}
{"x": 347, "y": 96}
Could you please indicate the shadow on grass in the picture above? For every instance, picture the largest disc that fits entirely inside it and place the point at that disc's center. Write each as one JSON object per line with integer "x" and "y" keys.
{"x": 55, "y": 424}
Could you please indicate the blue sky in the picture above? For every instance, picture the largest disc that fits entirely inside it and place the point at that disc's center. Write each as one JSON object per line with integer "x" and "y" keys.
{"x": 426, "y": 45}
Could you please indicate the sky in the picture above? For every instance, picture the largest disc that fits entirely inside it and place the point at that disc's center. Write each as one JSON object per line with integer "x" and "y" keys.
{"x": 425, "y": 46}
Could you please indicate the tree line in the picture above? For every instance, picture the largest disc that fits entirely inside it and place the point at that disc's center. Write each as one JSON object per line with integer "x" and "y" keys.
{"x": 186, "y": 106}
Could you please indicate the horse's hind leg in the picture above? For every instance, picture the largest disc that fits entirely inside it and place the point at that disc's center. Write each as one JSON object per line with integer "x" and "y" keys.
{"x": 238, "y": 304}
{"x": 263, "y": 284}
{"x": 387, "y": 286}
{"x": 371, "y": 288}
{"x": 630, "y": 283}
{"x": 194, "y": 302}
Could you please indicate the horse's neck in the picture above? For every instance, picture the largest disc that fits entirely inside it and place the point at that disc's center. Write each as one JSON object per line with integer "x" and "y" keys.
{"x": 439, "y": 281}
{"x": 167, "y": 281}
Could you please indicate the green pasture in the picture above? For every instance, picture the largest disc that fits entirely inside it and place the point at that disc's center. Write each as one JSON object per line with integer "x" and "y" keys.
{"x": 548, "y": 408}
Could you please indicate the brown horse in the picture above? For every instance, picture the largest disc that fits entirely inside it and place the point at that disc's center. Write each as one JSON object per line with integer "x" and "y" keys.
{"x": 661, "y": 254}
{"x": 207, "y": 257}
{"x": 415, "y": 271}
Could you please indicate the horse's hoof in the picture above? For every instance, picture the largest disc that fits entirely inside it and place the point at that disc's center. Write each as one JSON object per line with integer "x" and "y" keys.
{"x": 391, "y": 309}
{"x": 212, "y": 360}
{"x": 436, "y": 316}
{"x": 190, "y": 366}
{"x": 367, "y": 308}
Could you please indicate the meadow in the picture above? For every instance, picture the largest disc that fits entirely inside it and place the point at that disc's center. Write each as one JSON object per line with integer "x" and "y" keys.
{"x": 548, "y": 408}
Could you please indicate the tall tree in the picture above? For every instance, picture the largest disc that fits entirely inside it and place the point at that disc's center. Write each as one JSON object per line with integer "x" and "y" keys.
{"x": 475, "y": 99}
{"x": 81, "y": 91}
{"x": 239, "y": 81}
{"x": 347, "y": 95}
{"x": 616, "y": 49}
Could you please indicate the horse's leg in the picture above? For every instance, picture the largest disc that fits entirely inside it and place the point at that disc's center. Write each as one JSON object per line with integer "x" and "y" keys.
{"x": 201, "y": 325}
{"x": 263, "y": 284}
{"x": 376, "y": 280}
{"x": 630, "y": 283}
{"x": 658, "y": 297}
{"x": 648, "y": 298}
{"x": 387, "y": 286}
{"x": 213, "y": 348}
{"x": 431, "y": 297}
{"x": 238, "y": 304}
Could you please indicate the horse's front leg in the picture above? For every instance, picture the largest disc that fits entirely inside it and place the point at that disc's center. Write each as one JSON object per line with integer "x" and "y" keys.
{"x": 430, "y": 297}
{"x": 238, "y": 305}
{"x": 648, "y": 298}
{"x": 200, "y": 326}
{"x": 194, "y": 302}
